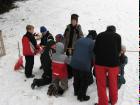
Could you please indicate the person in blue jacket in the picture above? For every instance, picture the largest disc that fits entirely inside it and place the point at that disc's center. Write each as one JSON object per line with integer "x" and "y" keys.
{"x": 81, "y": 63}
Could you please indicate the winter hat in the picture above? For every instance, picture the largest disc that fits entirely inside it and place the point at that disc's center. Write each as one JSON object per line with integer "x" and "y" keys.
{"x": 111, "y": 28}
{"x": 74, "y": 17}
{"x": 60, "y": 48}
{"x": 92, "y": 34}
{"x": 59, "y": 37}
{"x": 43, "y": 29}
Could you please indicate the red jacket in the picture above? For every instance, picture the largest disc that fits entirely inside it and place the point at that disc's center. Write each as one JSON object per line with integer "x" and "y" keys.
{"x": 59, "y": 69}
{"x": 29, "y": 45}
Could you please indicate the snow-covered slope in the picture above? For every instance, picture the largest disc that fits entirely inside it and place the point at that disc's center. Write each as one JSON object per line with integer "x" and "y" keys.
{"x": 55, "y": 14}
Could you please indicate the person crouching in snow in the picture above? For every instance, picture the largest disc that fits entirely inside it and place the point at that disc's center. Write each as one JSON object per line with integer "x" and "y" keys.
{"x": 123, "y": 62}
{"x": 47, "y": 75}
{"x": 59, "y": 72}
{"x": 59, "y": 38}
{"x": 29, "y": 45}
{"x": 44, "y": 39}
{"x": 81, "y": 63}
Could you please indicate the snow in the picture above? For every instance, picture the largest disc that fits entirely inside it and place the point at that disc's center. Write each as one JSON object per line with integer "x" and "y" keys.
{"x": 55, "y": 14}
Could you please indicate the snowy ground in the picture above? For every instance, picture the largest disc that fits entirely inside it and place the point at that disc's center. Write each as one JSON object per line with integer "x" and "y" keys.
{"x": 55, "y": 14}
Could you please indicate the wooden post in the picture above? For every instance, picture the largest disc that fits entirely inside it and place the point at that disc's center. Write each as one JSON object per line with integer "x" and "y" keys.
{"x": 2, "y": 48}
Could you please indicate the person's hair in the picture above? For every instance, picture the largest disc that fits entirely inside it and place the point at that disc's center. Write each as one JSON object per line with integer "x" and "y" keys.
{"x": 111, "y": 28}
{"x": 29, "y": 27}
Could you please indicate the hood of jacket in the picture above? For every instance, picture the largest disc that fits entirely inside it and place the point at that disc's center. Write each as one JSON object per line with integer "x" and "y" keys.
{"x": 59, "y": 48}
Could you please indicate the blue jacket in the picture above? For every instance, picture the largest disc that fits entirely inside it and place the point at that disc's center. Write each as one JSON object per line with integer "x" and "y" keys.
{"x": 83, "y": 55}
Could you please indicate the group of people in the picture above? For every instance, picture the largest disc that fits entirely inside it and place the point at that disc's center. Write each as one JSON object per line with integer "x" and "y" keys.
{"x": 72, "y": 55}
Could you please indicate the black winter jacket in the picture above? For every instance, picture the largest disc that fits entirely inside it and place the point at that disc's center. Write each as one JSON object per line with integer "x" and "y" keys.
{"x": 107, "y": 49}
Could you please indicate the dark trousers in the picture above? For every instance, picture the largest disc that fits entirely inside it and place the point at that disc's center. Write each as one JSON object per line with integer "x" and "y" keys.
{"x": 90, "y": 76}
{"x": 46, "y": 65}
{"x": 80, "y": 83}
{"x": 42, "y": 81}
{"x": 29, "y": 65}
{"x": 47, "y": 71}
{"x": 70, "y": 70}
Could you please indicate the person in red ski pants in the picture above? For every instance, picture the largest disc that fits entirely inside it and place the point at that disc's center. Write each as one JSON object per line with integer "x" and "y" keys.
{"x": 107, "y": 50}
{"x": 101, "y": 72}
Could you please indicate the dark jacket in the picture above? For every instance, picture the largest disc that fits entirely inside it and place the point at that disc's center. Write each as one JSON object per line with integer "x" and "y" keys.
{"x": 46, "y": 59}
{"x": 45, "y": 38}
{"x": 48, "y": 51}
{"x": 107, "y": 49}
{"x": 29, "y": 44}
{"x": 83, "y": 54}
{"x": 71, "y": 35}
{"x": 123, "y": 62}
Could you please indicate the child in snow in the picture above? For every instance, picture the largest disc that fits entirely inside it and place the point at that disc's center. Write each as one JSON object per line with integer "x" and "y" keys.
{"x": 59, "y": 72}
{"x": 29, "y": 45}
{"x": 123, "y": 62}
{"x": 45, "y": 36}
{"x": 44, "y": 39}
{"x": 46, "y": 64}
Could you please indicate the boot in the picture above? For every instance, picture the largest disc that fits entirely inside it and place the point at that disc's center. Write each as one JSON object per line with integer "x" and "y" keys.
{"x": 31, "y": 76}
{"x": 52, "y": 91}
{"x": 84, "y": 98}
{"x": 60, "y": 91}
{"x": 34, "y": 84}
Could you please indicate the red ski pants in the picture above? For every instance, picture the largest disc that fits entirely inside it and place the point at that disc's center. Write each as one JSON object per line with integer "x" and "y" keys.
{"x": 101, "y": 76}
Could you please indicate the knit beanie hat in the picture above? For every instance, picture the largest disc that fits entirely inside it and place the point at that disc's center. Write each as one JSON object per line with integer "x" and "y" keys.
{"x": 43, "y": 29}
